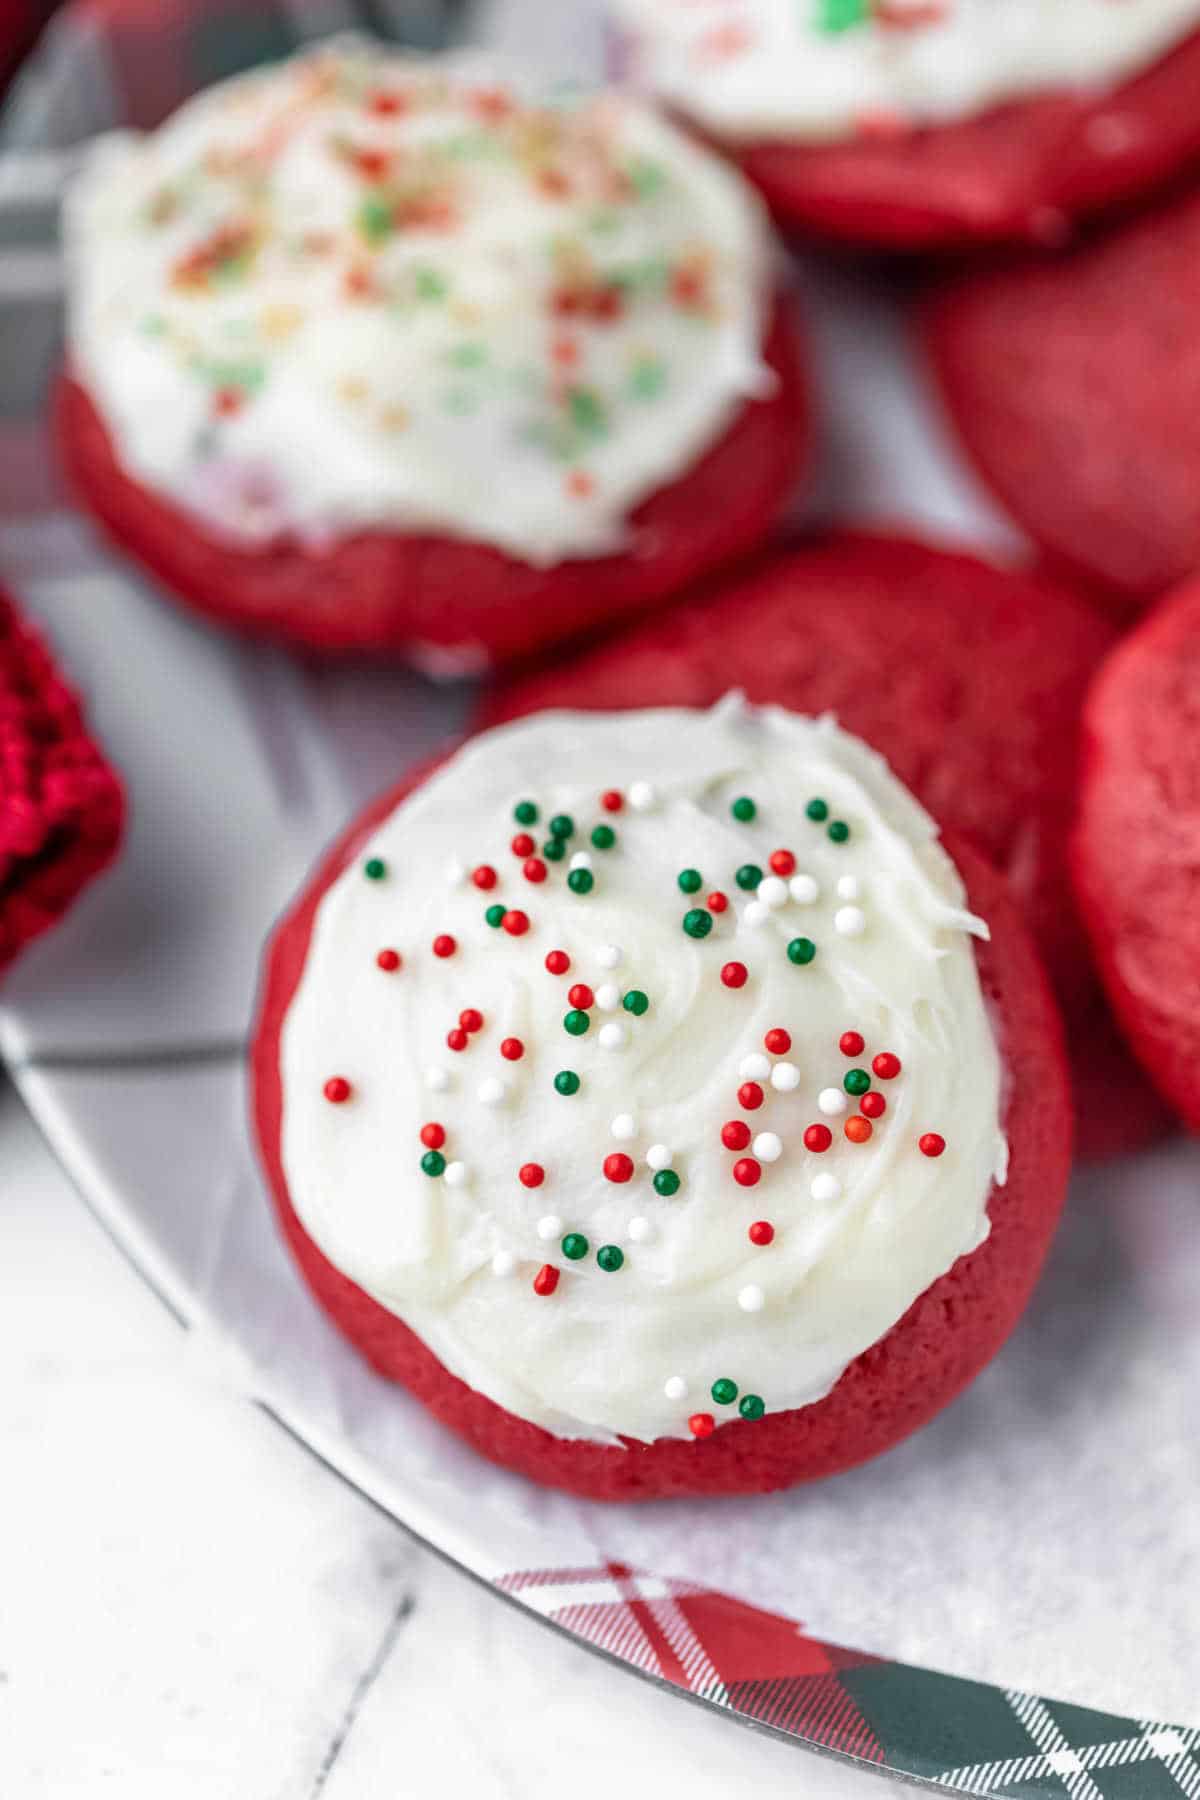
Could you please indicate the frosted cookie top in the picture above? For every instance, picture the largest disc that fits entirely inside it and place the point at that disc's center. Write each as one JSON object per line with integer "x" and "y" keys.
{"x": 365, "y": 289}
{"x": 824, "y": 69}
{"x": 640, "y": 1065}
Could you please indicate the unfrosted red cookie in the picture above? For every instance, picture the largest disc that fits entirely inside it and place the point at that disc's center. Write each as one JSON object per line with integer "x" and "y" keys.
{"x": 1137, "y": 842}
{"x": 969, "y": 679}
{"x": 942, "y": 1341}
{"x": 1074, "y": 385}
{"x": 61, "y": 805}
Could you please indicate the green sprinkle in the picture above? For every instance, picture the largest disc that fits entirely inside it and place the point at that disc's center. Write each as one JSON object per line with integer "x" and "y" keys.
{"x": 751, "y": 1406}
{"x": 697, "y": 923}
{"x": 376, "y": 219}
{"x": 430, "y": 285}
{"x": 433, "y": 1162}
{"x": 576, "y": 1022}
{"x": 567, "y": 1081}
{"x": 575, "y": 1246}
{"x": 554, "y": 849}
{"x": 856, "y": 1081}
{"x": 646, "y": 175}
{"x": 724, "y": 1391}
{"x": 587, "y": 411}
{"x": 748, "y": 876}
{"x": 610, "y": 1258}
{"x": 690, "y": 881}
{"x": 562, "y": 825}
{"x": 801, "y": 950}
{"x": 841, "y": 15}
{"x": 666, "y": 1183}
{"x": 817, "y": 810}
{"x": 375, "y": 868}
{"x": 838, "y": 831}
{"x": 526, "y": 813}
{"x": 604, "y": 837}
{"x": 636, "y": 1002}
{"x": 581, "y": 881}
{"x": 743, "y": 809}
{"x": 495, "y": 916}
{"x": 468, "y": 356}
{"x": 648, "y": 379}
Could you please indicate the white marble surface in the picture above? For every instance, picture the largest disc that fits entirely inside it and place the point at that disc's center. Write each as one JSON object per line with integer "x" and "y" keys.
{"x": 194, "y": 1609}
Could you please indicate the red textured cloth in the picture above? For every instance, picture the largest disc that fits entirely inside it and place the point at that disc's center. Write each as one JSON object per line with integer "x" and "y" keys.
{"x": 942, "y": 1342}
{"x": 1137, "y": 843}
{"x": 61, "y": 806}
{"x": 1019, "y": 172}
{"x": 448, "y": 602}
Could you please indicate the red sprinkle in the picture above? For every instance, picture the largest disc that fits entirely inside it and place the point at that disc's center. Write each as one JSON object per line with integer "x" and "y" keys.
{"x": 734, "y": 975}
{"x": 746, "y": 1172}
{"x": 388, "y": 961}
{"x": 782, "y": 862}
{"x": 750, "y": 1096}
{"x": 851, "y": 1043}
{"x": 857, "y": 1129}
{"x": 558, "y": 962}
{"x": 516, "y": 923}
{"x": 618, "y": 1166}
{"x": 546, "y": 1279}
{"x": 818, "y": 1137}
{"x": 717, "y": 902}
{"x": 457, "y": 1038}
{"x": 735, "y": 1135}
{"x": 512, "y": 1049}
{"x": 886, "y": 1066}
{"x": 433, "y": 1136}
{"x": 778, "y": 1041}
{"x": 522, "y": 844}
{"x": 337, "y": 1090}
{"x": 872, "y": 1105}
{"x": 702, "y": 1425}
{"x": 484, "y": 876}
{"x": 470, "y": 1019}
{"x": 761, "y": 1232}
{"x": 531, "y": 1174}
{"x": 581, "y": 996}
{"x": 932, "y": 1144}
{"x": 534, "y": 869}
{"x": 612, "y": 801}
{"x": 444, "y": 944}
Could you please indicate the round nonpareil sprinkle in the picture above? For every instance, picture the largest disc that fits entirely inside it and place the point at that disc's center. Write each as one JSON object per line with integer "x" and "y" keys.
{"x": 761, "y": 1233}
{"x": 818, "y": 1138}
{"x": 575, "y": 1246}
{"x": 736, "y": 1134}
{"x": 610, "y": 1258}
{"x": 549, "y": 1227}
{"x": 768, "y": 1147}
{"x": 697, "y": 923}
{"x": 801, "y": 951}
{"x": 388, "y": 960}
{"x": 618, "y": 1167}
{"x": 492, "y": 1092}
{"x": 624, "y": 1127}
{"x": 751, "y": 1298}
{"x": 566, "y": 1082}
{"x": 785, "y": 1078}
{"x": 931, "y": 1143}
{"x": 546, "y": 1280}
{"x": 375, "y": 868}
{"x": 666, "y": 1183}
{"x": 804, "y": 889}
{"x": 886, "y": 1066}
{"x": 734, "y": 975}
{"x": 337, "y": 1090}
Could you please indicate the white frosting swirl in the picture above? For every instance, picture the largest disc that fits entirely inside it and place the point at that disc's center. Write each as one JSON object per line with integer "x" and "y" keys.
{"x": 823, "y": 69}
{"x": 366, "y": 289}
{"x": 861, "y": 1229}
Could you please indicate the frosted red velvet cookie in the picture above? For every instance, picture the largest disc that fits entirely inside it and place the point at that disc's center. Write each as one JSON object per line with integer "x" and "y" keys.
{"x": 647, "y": 1094}
{"x": 969, "y": 677}
{"x": 380, "y": 353}
{"x": 931, "y": 123}
{"x": 1137, "y": 844}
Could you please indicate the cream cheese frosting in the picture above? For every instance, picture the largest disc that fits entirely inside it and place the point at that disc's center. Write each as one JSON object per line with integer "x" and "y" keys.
{"x": 364, "y": 289}
{"x": 825, "y": 69}
{"x": 669, "y": 1126}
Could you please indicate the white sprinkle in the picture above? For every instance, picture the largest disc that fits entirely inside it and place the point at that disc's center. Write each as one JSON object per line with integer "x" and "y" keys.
{"x": 756, "y": 913}
{"x": 785, "y": 1077}
{"x": 851, "y": 921}
{"x": 754, "y": 1067}
{"x": 825, "y": 1187}
{"x": 503, "y": 1263}
{"x": 456, "y": 873}
{"x": 848, "y": 887}
{"x": 639, "y": 1230}
{"x": 612, "y": 1036}
{"x": 658, "y": 1156}
{"x": 832, "y": 1103}
{"x": 455, "y": 1174}
{"x": 641, "y": 796}
{"x": 608, "y": 996}
{"x": 751, "y": 1298}
{"x": 437, "y": 1080}
{"x": 492, "y": 1092}
{"x": 768, "y": 1147}
{"x": 624, "y": 1126}
{"x": 549, "y": 1227}
{"x": 804, "y": 890}
{"x": 675, "y": 1387}
{"x": 609, "y": 955}
{"x": 772, "y": 891}
{"x": 581, "y": 860}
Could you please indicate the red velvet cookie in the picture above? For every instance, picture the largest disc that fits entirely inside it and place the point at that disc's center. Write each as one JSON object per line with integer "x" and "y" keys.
{"x": 1137, "y": 843}
{"x": 936, "y": 1346}
{"x": 1075, "y": 388}
{"x": 970, "y": 678}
